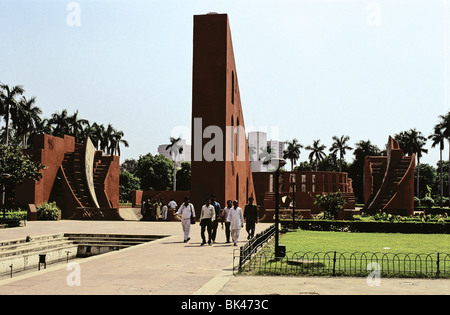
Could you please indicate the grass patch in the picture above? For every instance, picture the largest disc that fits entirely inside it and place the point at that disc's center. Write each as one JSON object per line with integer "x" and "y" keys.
{"x": 396, "y": 255}
{"x": 320, "y": 241}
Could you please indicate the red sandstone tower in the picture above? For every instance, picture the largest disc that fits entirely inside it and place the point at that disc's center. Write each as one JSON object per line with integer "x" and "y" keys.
{"x": 220, "y": 160}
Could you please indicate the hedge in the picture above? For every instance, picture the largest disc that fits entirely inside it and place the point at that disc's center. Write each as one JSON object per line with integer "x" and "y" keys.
{"x": 370, "y": 227}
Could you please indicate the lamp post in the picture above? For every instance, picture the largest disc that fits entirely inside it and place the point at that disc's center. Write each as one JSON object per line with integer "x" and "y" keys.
{"x": 292, "y": 177}
{"x": 3, "y": 187}
{"x": 280, "y": 251}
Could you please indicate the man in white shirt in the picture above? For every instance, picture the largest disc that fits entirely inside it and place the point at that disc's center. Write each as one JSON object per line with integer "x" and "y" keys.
{"x": 236, "y": 219}
{"x": 207, "y": 216}
{"x": 225, "y": 213}
{"x": 184, "y": 213}
{"x": 172, "y": 204}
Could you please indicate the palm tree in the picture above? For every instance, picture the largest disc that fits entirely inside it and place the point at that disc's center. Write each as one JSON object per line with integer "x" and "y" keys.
{"x": 445, "y": 127}
{"x": 26, "y": 118}
{"x": 117, "y": 141}
{"x": 317, "y": 153}
{"x": 8, "y": 103}
{"x": 292, "y": 152}
{"x": 413, "y": 142}
{"x": 77, "y": 127}
{"x": 174, "y": 148}
{"x": 61, "y": 123}
{"x": 340, "y": 145}
{"x": 438, "y": 139}
{"x": 266, "y": 154}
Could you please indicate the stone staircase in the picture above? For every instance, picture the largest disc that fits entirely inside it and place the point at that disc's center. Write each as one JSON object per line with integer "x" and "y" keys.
{"x": 25, "y": 254}
{"x": 73, "y": 166}
{"x": 387, "y": 186}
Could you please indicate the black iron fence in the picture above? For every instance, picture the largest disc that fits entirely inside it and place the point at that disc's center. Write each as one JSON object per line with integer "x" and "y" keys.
{"x": 253, "y": 245}
{"x": 436, "y": 265}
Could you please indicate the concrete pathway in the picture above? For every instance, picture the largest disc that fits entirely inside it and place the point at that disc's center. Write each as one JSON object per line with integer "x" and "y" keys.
{"x": 170, "y": 267}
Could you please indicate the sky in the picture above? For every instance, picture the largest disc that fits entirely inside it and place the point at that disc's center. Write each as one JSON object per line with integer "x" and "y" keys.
{"x": 307, "y": 69}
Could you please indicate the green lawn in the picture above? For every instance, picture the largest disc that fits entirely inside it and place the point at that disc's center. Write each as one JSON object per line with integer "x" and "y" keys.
{"x": 350, "y": 254}
{"x": 319, "y": 241}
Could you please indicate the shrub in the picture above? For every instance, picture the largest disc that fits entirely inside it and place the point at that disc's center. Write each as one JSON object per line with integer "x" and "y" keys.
{"x": 331, "y": 204}
{"x": 47, "y": 211}
{"x": 427, "y": 202}
{"x": 416, "y": 202}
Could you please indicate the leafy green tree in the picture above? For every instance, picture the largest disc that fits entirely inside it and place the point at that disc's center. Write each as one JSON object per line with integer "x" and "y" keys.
{"x": 184, "y": 176}
{"x": 127, "y": 183}
{"x": 154, "y": 172}
{"x": 15, "y": 167}
{"x": 427, "y": 178}
{"x": 362, "y": 149}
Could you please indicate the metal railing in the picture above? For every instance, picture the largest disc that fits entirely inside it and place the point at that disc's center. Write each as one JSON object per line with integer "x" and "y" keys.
{"x": 253, "y": 245}
{"x": 436, "y": 265}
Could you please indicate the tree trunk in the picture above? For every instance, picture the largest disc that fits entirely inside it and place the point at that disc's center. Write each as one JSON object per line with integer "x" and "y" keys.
{"x": 442, "y": 179}
{"x": 418, "y": 177}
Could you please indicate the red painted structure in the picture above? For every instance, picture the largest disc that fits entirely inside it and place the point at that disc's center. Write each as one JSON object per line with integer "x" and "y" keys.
{"x": 307, "y": 186}
{"x": 220, "y": 160}
{"x": 65, "y": 181}
{"x": 389, "y": 181}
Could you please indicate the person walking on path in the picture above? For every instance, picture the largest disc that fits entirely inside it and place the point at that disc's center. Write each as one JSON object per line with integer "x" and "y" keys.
{"x": 184, "y": 213}
{"x": 215, "y": 223}
{"x": 163, "y": 210}
{"x": 251, "y": 218}
{"x": 225, "y": 213}
{"x": 236, "y": 219}
{"x": 207, "y": 216}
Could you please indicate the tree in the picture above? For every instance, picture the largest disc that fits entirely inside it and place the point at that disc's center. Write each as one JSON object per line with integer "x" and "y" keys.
{"x": 292, "y": 152}
{"x": 438, "y": 139}
{"x": 26, "y": 118}
{"x": 413, "y": 142}
{"x": 15, "y": 167}
{"x": 77, "y": 126}
{"x": 155, "y": 172}
{"x": 60, "y": 123}
{"x": 362, "y": 149}
{"x": 331, "y": 204}
{"x": 184, "y": 176}
{"x": 445, "y": 127}
{"x": 129, "y": 165}
{"x": 266, "y": 154}
{"x": 175, "y": 148}
{"x": 317, "y": 152}
{"x": 9, "y": 103}
{"x": 340, "y": 146}
{"x": 127, "y": 183}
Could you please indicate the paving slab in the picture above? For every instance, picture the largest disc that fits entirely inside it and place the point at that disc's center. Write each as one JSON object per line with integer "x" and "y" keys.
{"x": 168, "y": 266}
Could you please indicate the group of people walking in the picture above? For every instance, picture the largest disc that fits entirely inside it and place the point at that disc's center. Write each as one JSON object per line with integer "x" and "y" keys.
{"x": 211, "y": 213}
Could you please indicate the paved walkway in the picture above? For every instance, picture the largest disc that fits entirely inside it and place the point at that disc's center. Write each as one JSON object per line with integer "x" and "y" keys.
{"x": 170, "y": 267}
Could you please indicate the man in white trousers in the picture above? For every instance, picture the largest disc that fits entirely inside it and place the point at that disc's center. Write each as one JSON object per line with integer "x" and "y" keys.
{"x": 184, "y": 213}
{"x": 236, "y": 219}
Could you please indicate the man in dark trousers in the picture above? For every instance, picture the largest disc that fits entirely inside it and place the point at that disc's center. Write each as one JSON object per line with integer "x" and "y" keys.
{"x": 251, "y": 217}
{"x": 218, "y": 211}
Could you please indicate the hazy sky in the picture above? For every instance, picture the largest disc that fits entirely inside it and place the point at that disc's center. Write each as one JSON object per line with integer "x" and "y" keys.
{"x": 310, "y": 69}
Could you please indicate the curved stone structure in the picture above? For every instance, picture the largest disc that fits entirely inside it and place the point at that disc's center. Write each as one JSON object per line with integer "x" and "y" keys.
{"x": 389, "y": 181}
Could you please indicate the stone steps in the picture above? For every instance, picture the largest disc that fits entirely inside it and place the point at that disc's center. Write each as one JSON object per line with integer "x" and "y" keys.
{"x": 23, "y": 254}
